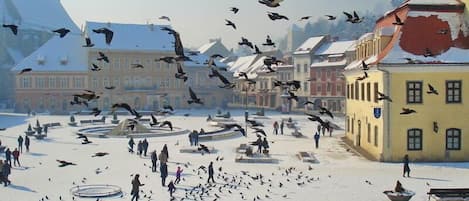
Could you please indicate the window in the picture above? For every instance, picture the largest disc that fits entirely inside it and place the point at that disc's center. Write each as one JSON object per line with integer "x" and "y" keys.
{"x": 95, "y": 83}
{"x": 414, "y": 92}
{"x": 414, "y": 139}
{"x": 376, "y": 136}
{"x": 319, "y": 88}
{"x": 353, "y": 125}
{"x": 356, "y": 91}
{"x": 26, "y": 82}
{"x": 78, "y": 82}
{"x": 362, "y": 88}
{"x": 453, "y": 139}
{"x": 298, "y": 68}
{"x": 351, "y": 91}
{"x": 453, "y": 91}
{"x": 368, "y": 92}
{"x": 305, "y": 68}
{"x": 338, "y": 88}
{"x": 318, "y": 73}
{"x": 328, "y": 86}
{"x": 368, "y": 136}
{"x": 40, "y": 82}
{"x": 348, "y": 91}
{"x": 375, "y": 86}
{"x": 348, "y": 124}
{"x": 51, "y": 82}
{"x": 305, "y": 86}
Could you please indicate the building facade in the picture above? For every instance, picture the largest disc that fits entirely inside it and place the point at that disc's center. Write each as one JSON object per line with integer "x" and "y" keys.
{"x": 148, "y": 88}
{"x": 406, "y": 70}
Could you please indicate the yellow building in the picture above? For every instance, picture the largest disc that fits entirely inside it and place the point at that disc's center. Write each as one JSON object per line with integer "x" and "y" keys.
{"x": 428, "y": 51}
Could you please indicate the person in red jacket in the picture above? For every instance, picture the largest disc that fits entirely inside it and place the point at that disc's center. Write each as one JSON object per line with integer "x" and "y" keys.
{"x": 16, "y": 157}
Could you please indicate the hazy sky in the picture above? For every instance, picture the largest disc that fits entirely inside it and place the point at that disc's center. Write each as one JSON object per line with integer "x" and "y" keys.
{"x": 199, "y": 20}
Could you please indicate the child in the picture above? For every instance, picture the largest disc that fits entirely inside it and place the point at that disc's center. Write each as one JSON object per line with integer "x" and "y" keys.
{"x": 178, "y": 175}
{"x": 171, "y": 188}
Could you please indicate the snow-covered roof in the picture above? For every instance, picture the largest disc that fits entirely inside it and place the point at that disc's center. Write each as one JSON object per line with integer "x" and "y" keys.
{"x": 334, "y": 47}
{"x": 433, "y": 2}
{"x": 327, "y": 63}
{"x": 37, "y": 14}
{"x": 57, "y": 54}
{"x": 206, "y": 46}
{"x": 309, "y": 45}
{"x": 199, "y": 60}
{"x": 242, "y": 64}
{"x": 132, "y": 37}
{"x": 214, "y": 47}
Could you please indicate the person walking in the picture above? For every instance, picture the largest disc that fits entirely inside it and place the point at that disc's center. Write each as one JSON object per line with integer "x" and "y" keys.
{"x": 153, "y": 161}
{"x": 276, "y": 128}
{"x": 200, "y": 133}
{"x": 6, "y": 170}
{"x": 131, "y": 145}
{"x": 210, "y": 173}
{"x": 145, "y": 147}
{"x": 46, "y": 128}
{"x": 164, "y": 173}
{"x": 196, "y": 138}
{"x": 163, "y": 158}
{"x": 16, "y": 157}
{"x": 27, "y": 142}
{"x": 265, "y": 144}
{"x": 323, "y": 128}
{"x": 406, "y": 166}
{"x": 330, "y": 131}
{"x": 20, "y": 143}
{"x": 259, "y": 144}
{"x": 282, "y": 124}
{"x": 139, "y": 148}
{"x": 171, "y": 188}
{"x": 165, "y": 150}
{"x": 135, "y": 187}
{"x": 1, "y": 171}
{"x": 8, "y": 156}
{"x": 316, "y": 139}
{"x": 191, "y": 137}
{"x": 178, "y": 175}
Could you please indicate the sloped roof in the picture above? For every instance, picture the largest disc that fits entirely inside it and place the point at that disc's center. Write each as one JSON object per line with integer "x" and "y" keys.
{"x": 433, "y": 2}
{"x": 309, "y": 45}
{"x": 242, "y": 64}
{"x": 38, "y": 14}
{"x": 199, "y": 60}
{"x": 132, "y": 37}
{"x": 58, "y": 54}
{"x": 214, "y": 47}
{"x": 335, "y": 47}
{"x": 206, "y": 46}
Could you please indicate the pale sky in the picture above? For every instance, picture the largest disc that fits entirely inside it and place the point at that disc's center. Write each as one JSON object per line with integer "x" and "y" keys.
{"x": 199, "y": 20}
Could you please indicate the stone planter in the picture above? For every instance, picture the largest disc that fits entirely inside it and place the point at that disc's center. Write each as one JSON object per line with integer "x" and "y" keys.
{"x": 74, "y": 124}
{"x": 29, "y": 133}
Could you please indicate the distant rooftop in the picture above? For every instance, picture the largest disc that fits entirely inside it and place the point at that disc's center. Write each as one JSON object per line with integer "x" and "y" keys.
{"x": 309, "y": 45}
{"x": 132, "y": 37}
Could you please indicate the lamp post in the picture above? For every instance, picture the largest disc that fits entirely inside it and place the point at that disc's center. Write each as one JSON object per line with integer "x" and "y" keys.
{"x": 246, "y": 112}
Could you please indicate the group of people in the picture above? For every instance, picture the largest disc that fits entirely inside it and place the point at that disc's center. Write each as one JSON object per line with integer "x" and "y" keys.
{"x": 142, "y": 146}
{"x": 277, "y": 126}
{"x": 262, "y": 144}
{"x": 5, "y": 165}
{"x": 194, "y": 137}
{"x": 323, "y": 130}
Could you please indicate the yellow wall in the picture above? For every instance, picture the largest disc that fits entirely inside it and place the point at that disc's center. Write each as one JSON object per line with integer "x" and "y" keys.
{"x": 363, "y": 110}
{"x": 434, "y": 108}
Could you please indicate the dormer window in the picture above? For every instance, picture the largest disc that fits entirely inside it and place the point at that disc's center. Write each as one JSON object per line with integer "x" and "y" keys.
{"x": 41, "y": 60}
{"x": 64, "y": 60}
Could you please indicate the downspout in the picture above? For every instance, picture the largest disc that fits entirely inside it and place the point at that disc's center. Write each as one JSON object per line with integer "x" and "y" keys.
{"x": 386, "y": 155}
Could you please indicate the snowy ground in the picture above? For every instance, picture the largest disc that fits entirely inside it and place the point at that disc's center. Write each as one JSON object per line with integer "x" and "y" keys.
{"x": 340, "y": 175}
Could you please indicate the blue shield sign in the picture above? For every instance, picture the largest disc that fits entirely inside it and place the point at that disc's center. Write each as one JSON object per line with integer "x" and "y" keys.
{"x": 377, "y": 112}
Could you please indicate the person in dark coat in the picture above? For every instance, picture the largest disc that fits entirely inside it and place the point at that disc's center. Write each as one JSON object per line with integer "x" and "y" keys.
{"x": 191, "y": 137}
{"x": 165, "y": 150}
{"x": 26, "y": 143}
{"x": 210, "y": 173}
{"x": 6, "y": 170}
{"x": 164, "y": 173}
{"x": 131, "y": 145}
{"x": 197, "y": 135}
{"x": 145, "y": 146}
{"x": 406, "y": 166}
{"x": 20, "y": 143}
{"x": 282, "y": 124}
{"x": 8, "y": 156}
{"x": 316, "y": 139}
{"x": 135, "y": 187}
{"x": 1, "y": 171}
{"x": 323, "y": 128}
{"x": 276, "y": 128}
{"x": 16, "y": 157}
{"x": 171, "y": 188}
{"x": 265, "y": 144}
{"x": 45, "y": 129}
{"x": 153, "y": 161}
{"x": 139, "y": 148}
{"x": 259, "y": 144}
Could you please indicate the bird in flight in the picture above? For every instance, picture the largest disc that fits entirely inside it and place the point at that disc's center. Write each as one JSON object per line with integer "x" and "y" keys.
{"x": 107, "y": 33}
{"x": 398, "y": 20}
{"x": 230, "y": 23}
{"x": 234, "y": 10}
{"x": 12, "y": 27}
{"x": 271, "y": 3}
{"x": 331, "y": 17}
{"x": 62, "y": 32}
{"x": 305, "y": 18}
{"x": 165, "y": 18}
{"x": 432, "y": 90}
{"x": 25, "y": 70}
{"x": 88, "y": 42}
{"x": 407, "y": 111}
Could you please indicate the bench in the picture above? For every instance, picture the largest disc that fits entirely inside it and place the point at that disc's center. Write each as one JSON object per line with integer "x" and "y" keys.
{"x": 98, "y": 121}
{"x": 51, "y": 125}
{"x": 442, "y": 193}
{"x": 86, "y": 121}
